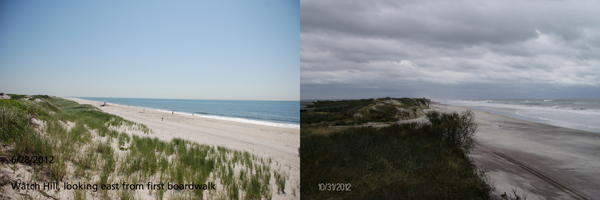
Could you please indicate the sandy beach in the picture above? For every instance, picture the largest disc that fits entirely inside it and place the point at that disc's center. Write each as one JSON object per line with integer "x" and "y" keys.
{"x": 544, "y": 161}
{"x": 281, "y": 144}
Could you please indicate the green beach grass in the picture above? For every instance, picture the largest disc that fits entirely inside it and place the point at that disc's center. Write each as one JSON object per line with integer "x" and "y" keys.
{"x": 400, "y": 161}
{"x": 87, "y": 146}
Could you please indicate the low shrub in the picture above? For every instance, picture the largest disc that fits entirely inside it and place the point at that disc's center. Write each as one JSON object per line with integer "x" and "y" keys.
{"x": 456, "y": 128}
{"x": 401, "y": 161}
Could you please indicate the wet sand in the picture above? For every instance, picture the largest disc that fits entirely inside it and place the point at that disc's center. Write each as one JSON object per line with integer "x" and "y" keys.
{"x": 541, "y": 160}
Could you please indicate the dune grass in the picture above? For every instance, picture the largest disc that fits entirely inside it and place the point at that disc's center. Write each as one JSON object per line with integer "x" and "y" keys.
{"x": 89, "y": 140}
{"x": 363, "y": 111}
{"x": 408, "y": 161}
{"x": 13, "y": 121}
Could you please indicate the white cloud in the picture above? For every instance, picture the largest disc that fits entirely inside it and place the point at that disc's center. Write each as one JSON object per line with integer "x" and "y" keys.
{"x": 438, "y": 44}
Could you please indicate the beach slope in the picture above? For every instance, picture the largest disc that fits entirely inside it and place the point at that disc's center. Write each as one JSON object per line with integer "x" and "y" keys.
{"x": 545, "y": 161}
{"x": 280, "y": 144}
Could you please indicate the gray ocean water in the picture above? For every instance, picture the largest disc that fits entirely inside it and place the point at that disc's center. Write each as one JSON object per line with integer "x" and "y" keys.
{"x": 580, "y": 114}
{"x": 271, "y": 113}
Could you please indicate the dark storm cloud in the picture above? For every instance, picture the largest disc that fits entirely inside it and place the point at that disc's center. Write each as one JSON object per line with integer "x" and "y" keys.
{"x": 439, "y": 46}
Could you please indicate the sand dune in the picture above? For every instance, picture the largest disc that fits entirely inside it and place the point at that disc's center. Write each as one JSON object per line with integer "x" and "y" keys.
{"x": 281, "y": 144}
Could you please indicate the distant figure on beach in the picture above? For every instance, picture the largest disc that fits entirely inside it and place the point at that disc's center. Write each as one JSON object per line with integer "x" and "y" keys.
{"x": 172, "y": 112}
{"x": 162, "y": 119}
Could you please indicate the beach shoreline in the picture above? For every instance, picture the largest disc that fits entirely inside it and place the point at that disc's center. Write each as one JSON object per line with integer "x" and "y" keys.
{"x": 280, "y": 144}
{"x": 545, "y": 161}
{"x": 579, "y": 114}
{"x": 219, "y": 117}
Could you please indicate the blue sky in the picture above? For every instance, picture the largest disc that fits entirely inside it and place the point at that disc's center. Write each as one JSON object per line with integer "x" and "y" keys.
{"x": 234, "y": 50}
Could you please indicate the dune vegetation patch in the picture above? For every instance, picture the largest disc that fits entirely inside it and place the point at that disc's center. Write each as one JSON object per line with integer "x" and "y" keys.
{"x": 92, "y": 147}
{"x": 357, "y": 112}
{"x": 400, "y": 161}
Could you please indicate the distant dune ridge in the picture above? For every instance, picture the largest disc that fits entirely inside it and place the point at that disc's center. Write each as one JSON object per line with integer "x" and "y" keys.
{"x": 378, "y": 112}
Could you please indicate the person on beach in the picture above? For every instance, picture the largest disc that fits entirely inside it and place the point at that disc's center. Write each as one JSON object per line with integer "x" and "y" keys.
{"x": 172, "y": 112}
{"x": 162, "y": 119}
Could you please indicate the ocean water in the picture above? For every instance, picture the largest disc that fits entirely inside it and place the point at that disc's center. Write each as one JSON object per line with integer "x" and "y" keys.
{"x": 271, "y": 113}
{"x": 581, "y": 114}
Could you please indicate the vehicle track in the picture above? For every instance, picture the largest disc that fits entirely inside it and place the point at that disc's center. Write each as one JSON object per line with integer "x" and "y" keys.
{"x": 537, "y": 173}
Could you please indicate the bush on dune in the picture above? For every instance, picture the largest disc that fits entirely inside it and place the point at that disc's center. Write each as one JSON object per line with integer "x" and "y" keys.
{"x": 401, "y": 161}
{"x": 457, "y": 129}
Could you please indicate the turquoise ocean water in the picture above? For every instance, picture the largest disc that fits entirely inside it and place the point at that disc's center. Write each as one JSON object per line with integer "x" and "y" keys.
{"x": 271, "y": 113}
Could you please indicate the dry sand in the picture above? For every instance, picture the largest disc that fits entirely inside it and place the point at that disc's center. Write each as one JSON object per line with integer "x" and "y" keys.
{"x": 545, "y": 161}
{"x": 281, "y": 144}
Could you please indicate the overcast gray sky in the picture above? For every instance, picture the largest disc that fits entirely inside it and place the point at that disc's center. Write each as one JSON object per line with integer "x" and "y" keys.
{"x": 449, "y": 49}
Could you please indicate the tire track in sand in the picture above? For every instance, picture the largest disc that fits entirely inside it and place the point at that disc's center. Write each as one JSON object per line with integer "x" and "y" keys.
{"x": 575, "y": 194}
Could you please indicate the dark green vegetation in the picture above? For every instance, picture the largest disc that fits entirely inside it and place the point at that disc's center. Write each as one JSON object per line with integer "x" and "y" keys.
{"x": 407, "y": 161}
{"x": 357, "y": 112}
{"x": 89, "y": 141}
